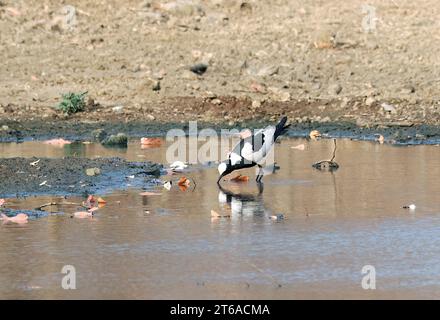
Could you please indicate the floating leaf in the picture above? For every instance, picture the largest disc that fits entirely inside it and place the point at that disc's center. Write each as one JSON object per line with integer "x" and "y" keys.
{"x": 100, "y": 200}
{"x": 314, "y": 134}
{"x": 150, "y": 142}
{"x": 381, "y": 139}
{"x": 183, "y": 181}
{"x": 19, "y": 218}
{"x": 82, "y": 214}
{"x": 90, "y": 202}
{"x": 167, "y": 185}
{"x": 299, "y": 147}
{"x": 57, "y": 142}
{"x": 178, "y": 166}
{"x": 146, "y": 193}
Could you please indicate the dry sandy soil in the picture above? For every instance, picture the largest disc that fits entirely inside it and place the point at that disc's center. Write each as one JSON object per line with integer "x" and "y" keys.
{"x": 315, "y": 61}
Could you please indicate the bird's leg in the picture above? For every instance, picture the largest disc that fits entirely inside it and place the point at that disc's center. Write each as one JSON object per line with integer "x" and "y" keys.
{"x": 260, "y": 173}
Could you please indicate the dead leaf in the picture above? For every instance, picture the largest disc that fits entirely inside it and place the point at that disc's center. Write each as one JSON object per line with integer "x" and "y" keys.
{"x": 183, "y": 182}
{"x": 90, "y": 202}
{"x": 381, "y": 139}
{"x": 146, "y": 193}
{"x": 19, "y": 218}
{"x": 2, "y": 202}
{"x": 150, "y": 142}
{"x": 301, "y": 147}
{"x": 314, "y": 134}
{"x": 100, "y": 200}
{"x": 240, "y": 178}
{"x": 82, "y": 214}
{"x": 57, "y": 142}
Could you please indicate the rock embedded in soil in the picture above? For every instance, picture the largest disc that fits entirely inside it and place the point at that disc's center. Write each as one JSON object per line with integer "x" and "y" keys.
{"x": 199, "y": 68}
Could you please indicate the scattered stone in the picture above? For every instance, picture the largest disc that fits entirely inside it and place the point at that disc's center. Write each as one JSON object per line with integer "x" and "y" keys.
{"x": 369, "y": 101}
{"x": 216, "y": 101}
{"x": 93, "y": 172}
{"x": 118, "y": 109}
{"x": 256, "y": 104}
{"x": 279, "y": 95}
{"x": 156, "y": 86}
{"x": 199, "y": 68}
{"x": 408, "y": 89}
{"x": 268, "y": 71}
{"x": 180, "y": 7}
{"x": 388, "y": 108}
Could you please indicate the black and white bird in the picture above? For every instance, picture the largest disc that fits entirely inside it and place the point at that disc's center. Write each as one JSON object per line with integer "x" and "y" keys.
{"x": 252, "y": 150}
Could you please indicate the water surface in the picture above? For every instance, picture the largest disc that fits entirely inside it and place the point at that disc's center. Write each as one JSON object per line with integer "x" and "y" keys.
{"x": 168, "y": 246}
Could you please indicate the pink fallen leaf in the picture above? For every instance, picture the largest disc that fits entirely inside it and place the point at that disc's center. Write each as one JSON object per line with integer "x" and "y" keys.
{"x": 90, "y": 202}
{"x": 58, "y": 142}
{"x": 82, "y": 214}
{"x": 299, "y": 147}
{"x": 19, "y": 218}
{"x": 2, "y": 202}
{"x": 150, "y": 142}
{"x": 146, "y": 193}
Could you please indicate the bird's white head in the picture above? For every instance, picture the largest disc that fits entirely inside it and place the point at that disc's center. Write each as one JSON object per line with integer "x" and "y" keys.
{"x": 222, "y": 168}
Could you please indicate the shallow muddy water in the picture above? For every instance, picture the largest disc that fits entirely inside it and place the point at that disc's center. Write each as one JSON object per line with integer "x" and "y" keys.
{"x": 167, "y": 245}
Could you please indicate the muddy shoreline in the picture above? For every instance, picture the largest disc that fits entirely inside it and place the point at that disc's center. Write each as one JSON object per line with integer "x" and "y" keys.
{"x": 67, "y": 176}
{"x": 395, "y": 133}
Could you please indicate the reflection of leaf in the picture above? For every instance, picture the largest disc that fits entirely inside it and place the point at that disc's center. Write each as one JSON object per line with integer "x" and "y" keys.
{"x": 240, "y": 178}
{"x": 215, "y": 214}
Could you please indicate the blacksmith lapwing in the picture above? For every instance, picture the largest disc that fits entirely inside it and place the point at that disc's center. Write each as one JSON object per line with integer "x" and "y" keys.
{"x": 252, "y": 150}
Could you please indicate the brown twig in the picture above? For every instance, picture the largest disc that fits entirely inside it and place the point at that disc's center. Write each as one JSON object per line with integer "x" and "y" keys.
{"x": 49, "y": 204}
{"x": 334, "y": 151}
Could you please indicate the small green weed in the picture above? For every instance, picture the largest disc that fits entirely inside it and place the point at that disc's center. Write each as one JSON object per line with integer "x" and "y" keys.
{"x": 72, "y": 102}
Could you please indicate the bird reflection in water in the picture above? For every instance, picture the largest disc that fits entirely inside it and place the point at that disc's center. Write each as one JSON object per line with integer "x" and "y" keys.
{"x": 236, "y": 203}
